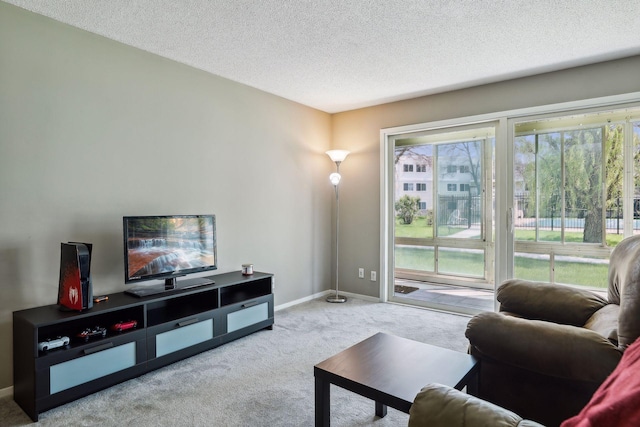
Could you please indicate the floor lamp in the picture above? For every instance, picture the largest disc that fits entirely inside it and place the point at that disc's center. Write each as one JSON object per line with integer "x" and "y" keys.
{"x": 338, "y": 157}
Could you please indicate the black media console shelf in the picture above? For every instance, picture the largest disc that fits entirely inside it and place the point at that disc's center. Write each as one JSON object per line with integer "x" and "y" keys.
{"x": 170, "y": 327}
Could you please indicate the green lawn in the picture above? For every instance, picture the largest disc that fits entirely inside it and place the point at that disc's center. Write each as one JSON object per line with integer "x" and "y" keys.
{"x": 569, "y": 236}
{"x": 419, "y": 229}
{"x": 417, "y": 258}
{"x": 574, "y": 273}
{"x": 472, "y": 264}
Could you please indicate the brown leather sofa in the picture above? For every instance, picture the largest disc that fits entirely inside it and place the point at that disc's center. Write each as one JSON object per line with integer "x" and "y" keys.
{"x": 550, "y": 346}
{"x": 614, "y": 404}
{"x": 438, "y": 405}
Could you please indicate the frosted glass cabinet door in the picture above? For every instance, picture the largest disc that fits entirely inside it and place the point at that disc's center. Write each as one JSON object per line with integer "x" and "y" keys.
{"x": 186, "y": 336}
{"x": 88, "y": 368}
{"x": 247, "y": 317}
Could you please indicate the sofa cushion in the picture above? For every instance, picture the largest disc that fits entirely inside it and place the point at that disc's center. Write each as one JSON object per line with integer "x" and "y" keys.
{"x": 440, "y": 406}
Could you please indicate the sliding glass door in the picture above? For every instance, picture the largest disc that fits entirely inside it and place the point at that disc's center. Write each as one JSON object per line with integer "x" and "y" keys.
{"x": 443, "y": 204}
{"x": 563, "y": 193}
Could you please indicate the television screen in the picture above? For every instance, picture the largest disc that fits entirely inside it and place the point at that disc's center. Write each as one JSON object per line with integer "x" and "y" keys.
{"x": 165, "y": 247}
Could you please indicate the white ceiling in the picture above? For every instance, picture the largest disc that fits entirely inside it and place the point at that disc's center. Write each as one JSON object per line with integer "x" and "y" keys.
{"x": 338, "y": 55}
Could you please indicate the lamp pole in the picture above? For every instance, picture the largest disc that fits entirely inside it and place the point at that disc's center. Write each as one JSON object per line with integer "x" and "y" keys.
{"x": 337, "y": 156}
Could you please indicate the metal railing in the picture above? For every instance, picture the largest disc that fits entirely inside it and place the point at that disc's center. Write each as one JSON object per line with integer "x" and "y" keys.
{"x": 459, "y": 210}
{"x": 549, "y": 215}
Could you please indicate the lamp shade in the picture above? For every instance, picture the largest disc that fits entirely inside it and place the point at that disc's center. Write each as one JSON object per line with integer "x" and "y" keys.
{"x": 337, "y": 155}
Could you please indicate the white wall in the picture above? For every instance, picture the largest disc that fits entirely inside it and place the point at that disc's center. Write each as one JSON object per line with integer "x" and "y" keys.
{"x": 91, "y": 130}
{"x": 359, "y": 132}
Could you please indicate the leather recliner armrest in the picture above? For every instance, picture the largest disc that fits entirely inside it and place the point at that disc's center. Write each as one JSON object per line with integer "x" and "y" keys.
{"x": 440, "y": 406}
{"x": 546, "y": 301}
{"x": 561, "y": 351}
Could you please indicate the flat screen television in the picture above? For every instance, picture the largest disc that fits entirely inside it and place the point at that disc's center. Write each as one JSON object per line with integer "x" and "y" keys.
{"x": 166, "y": 247}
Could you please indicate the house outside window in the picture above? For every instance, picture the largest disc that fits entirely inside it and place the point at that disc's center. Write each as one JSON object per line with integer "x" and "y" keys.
{"x": 414, "y": 175}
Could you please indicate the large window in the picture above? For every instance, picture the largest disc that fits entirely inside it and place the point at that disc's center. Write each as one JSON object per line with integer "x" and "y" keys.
{"x": 569, "y": 195}
{"x": 533, "y": 194}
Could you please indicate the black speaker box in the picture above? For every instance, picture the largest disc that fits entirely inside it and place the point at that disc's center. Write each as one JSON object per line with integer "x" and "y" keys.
{"x": 75, "y": 290}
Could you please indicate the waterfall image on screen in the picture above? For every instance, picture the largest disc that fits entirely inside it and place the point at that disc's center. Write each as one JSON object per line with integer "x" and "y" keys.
{"x": 160, "y": 246}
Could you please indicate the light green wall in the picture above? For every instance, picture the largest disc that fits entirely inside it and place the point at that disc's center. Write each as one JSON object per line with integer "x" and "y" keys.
{"x": 359, "y": 132}
{"x": 91, "y": 130}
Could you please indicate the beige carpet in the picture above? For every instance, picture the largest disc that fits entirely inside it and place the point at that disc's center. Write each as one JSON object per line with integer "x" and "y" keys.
{"x": 265, "y": 379}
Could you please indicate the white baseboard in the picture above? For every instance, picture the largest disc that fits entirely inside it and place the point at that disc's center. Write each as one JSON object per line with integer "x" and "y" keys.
{"x": 324, "y": 294}
{"x": 358, "y": 296}
{"x": 299, "y": 301}
{"x": 6, "y": 392}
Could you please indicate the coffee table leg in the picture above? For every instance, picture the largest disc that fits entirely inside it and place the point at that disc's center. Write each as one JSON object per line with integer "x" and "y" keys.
{"x": 474, "y": 384}
{"x": 322, "y": 403}
{"x": 381, "y": 409}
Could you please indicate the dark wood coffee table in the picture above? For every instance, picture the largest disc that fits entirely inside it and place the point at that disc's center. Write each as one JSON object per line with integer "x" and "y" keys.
{"x": 391, "y": 371}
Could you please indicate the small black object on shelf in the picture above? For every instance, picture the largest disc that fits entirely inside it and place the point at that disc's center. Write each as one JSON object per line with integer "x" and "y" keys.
{"x": 75, "y": 291}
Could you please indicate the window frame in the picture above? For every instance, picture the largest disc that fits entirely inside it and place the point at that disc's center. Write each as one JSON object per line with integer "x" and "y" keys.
{"x": 504, "y": 211}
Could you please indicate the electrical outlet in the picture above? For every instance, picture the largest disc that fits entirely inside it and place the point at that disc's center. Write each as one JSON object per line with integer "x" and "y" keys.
{"x": 373, "y": 276}
{"x": 361, "y": 273}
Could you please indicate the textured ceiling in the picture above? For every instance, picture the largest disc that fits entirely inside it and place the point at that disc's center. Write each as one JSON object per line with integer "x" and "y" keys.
{"x": 337, "y": 55}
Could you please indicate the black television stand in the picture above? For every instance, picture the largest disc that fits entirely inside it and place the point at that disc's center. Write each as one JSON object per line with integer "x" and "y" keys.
{"x": 170, "y": 285}
{"x": 170, "y": 326}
